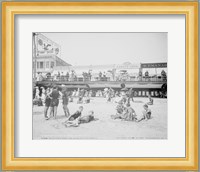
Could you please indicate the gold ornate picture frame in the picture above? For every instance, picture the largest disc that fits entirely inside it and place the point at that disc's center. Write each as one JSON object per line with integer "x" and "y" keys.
{"x": 10, "y": 9}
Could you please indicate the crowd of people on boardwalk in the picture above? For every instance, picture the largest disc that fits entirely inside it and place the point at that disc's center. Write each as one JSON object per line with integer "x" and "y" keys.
{"x": 109, "y": 75}
{"x": 49, "y": 98}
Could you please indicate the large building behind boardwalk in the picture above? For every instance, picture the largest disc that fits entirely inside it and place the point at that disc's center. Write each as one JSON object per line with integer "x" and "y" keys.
{"x": 46, "y": 55}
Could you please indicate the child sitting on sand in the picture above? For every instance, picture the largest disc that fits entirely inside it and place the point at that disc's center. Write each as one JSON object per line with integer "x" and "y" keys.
{"x": 73, "y": 120}
{"x": 120, "y": 110}
{"x": 150, "y": 100}
{"x": 146, "y": 113}
{"x": 87, "y": 118}
{"x": 129, "y": 113}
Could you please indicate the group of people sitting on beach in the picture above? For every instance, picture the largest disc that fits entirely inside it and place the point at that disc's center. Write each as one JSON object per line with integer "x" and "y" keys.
{"x": 127, "y": 113}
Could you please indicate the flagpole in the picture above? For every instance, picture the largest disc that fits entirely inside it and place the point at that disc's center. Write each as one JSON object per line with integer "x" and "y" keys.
{"x": 34, "y": 54}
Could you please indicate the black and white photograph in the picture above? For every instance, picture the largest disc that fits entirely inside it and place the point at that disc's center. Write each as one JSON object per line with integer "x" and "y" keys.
{"x": 99, "y": 85}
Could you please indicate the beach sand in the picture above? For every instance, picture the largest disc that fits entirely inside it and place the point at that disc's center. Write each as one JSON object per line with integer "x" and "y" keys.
{"x": 104, "y": 127}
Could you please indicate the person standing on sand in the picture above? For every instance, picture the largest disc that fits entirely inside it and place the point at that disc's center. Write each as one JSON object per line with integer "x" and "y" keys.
{"x": 130, "y": 95}
{"x": 65, "y": 98}
{"x": 47, "y": 103}
{"x": 54, "y": 101}
{"x": 109, "y": 95}
{"x": 150, "y": 100}
{"x": 37, "y": 93}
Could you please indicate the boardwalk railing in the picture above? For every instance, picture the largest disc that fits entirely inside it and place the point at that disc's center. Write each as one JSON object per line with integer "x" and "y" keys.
{"x": 104, "y": 79}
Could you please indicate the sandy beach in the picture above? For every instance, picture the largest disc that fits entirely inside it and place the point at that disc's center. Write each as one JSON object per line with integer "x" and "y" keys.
{"x": 104, "y": 127}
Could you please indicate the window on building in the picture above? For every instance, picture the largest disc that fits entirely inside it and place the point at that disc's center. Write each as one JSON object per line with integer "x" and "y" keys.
{"x": 52, "y": 64}
{"x": 47, "y": 64}
{"x": 38, "y": 65}
{"x": 41, "y": 65}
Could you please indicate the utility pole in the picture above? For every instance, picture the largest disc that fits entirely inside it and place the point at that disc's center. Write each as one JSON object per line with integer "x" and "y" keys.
{"x": 34, "y": 56}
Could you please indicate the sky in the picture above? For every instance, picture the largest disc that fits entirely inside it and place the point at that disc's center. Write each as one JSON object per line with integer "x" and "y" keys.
{"x": 111, "y": 48}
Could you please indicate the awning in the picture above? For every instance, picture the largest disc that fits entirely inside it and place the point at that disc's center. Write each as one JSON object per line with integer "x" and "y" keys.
{"x": 75, "y": 86}
{"x": 131, "y": 85}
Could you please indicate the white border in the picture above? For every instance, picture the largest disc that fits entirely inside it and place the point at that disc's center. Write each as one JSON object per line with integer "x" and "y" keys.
{"x": 174, "y": 146}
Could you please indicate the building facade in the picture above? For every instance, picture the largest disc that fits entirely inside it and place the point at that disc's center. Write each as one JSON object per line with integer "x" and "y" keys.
{"x": 46, "y": 55}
